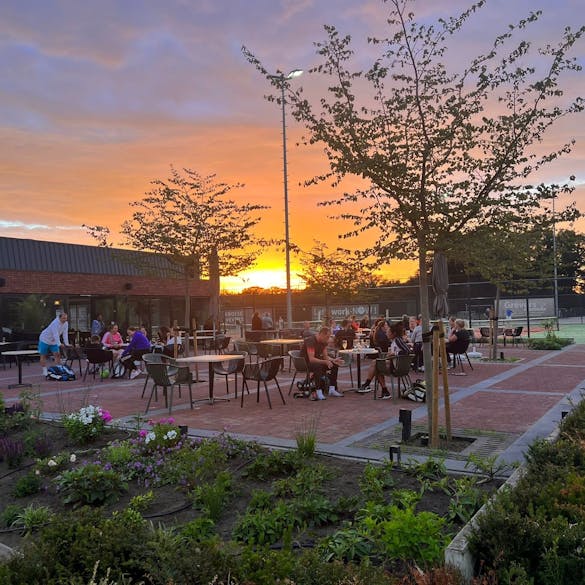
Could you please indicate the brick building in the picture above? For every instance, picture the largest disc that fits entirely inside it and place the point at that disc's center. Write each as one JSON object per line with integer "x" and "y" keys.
{"x": 39, "y": 279}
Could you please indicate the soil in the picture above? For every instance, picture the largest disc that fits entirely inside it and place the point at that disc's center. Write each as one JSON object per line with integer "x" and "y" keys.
{"x": 172, "y": 507}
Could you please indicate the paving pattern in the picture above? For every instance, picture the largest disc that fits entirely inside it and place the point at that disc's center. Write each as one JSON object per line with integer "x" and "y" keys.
{"x": 504, "y": 406}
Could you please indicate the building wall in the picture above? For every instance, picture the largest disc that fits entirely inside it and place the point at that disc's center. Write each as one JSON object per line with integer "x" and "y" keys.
{"x": 24, "y": 282}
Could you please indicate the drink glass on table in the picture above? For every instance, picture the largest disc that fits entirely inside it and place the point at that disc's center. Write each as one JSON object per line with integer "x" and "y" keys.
{"x": 344, "y": 344}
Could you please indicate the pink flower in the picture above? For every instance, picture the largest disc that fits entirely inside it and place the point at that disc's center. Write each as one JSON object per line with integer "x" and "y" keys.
{"x": 143, "y": 433}
{"x": 106, "y": 416}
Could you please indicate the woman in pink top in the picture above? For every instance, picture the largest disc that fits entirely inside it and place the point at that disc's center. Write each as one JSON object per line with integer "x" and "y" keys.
{"x": 113, "y": 340}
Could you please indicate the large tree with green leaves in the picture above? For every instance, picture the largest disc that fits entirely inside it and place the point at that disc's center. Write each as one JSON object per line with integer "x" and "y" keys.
{"x": 189, "y": 219}
{"x": 444, "y": 151}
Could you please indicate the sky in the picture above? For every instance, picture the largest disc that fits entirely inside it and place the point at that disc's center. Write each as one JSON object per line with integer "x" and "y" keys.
{"x": 100, "y": 97}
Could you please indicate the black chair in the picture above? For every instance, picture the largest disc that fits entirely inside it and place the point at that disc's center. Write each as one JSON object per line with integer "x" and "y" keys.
{"x": 72, "y": 354}
{"x": 265, "y": 371}
{"x": 300, "y": 365}
{"x": 96, "y": 360}
{"x": 515, "y": 334}
{"x": 221, "y": 343}
{"x": 401, "y": 365}
{"x": 168, "y": 376}
{"x": 457, "y": 356}
{"x": 153, "y": 358}
{"x": 232, "y": 367}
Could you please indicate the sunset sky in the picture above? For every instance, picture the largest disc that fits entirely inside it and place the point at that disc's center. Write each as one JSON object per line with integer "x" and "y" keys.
{"x": 98, "y": 98}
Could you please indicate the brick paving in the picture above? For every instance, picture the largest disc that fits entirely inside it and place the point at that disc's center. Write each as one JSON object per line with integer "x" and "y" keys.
{"x": 521, "y": 399}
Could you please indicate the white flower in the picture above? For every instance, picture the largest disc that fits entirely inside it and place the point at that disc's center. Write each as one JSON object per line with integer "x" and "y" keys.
{"x": 37, "y": 472}
{"x": 149, "y": 437}
{"x": 72, "y": 458}
{"x": 170, "y": 435}
{"x": 52, "y": 463}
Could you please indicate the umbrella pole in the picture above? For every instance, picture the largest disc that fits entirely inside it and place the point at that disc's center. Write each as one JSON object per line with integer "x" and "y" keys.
{"x": 447, "y": 404}
{"x": 435, "y": 418}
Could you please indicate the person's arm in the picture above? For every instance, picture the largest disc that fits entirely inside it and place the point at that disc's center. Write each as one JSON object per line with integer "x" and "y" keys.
{"x": 66, "y": 333}
{"x": 130, "y": 347}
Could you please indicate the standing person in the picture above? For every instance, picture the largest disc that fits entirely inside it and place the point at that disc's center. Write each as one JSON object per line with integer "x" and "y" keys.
{"x": 267, "y": 322}
{"x": 314, "y": 351}
{"x": 256, "y": 322}
{"x": 138, "y": 346}
{"x": 417, "y": 345}
{"x": 98, "y": 327}
{"x": 50, "y": 340}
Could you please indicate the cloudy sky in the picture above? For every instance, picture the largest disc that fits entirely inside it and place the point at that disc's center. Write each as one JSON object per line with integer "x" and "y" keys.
{"x": 98, "y": 98}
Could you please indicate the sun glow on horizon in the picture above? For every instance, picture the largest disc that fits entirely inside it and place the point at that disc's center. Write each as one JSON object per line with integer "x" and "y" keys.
{"x": 263, "y": 278}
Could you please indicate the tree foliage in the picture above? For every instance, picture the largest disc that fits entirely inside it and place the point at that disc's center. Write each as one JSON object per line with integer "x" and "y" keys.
{"x": 188, "y": 218}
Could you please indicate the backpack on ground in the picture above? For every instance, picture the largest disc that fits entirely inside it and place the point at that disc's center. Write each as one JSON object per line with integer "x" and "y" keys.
{"x": 61, "y": 373}
{"x": 417, "y": 392}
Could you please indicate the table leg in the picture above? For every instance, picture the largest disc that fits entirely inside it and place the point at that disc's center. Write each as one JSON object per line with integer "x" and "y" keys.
{"x": 359, "y": 371}
{"x": 20, "y": 384}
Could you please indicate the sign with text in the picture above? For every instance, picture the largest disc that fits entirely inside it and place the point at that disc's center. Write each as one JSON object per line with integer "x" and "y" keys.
{"x": 340, "y": 312}
{"x": 516, "y": 308}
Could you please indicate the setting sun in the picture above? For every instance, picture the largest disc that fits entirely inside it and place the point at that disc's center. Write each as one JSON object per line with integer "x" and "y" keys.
{"x": 261, "y": 277}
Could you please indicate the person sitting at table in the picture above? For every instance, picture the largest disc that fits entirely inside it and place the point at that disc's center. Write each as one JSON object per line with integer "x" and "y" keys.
{"x": 50, "y": 340}
{"x": 138, "y": 346}
{"x": 174, "y": 339}
{"x": 307, "y": 331}
{"x": 319, "y": 362}
{"x": 381, "y": 341}
{"x": 113, "y": 340}
{"x": 347, "y": 334}
{"x": 256, "y": 322}
{"x": 94, "y": 342}
{"x": 458, "y": 340}
{"x": 354, "y": 324}
{"x": 365, "y": 322}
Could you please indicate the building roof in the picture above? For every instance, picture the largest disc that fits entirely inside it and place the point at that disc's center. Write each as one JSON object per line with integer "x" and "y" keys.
{"x": 39, "y": 256}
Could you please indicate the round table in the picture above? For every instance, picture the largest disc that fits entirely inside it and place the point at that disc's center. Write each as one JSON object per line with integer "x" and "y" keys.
{"x": 359, "y": 352}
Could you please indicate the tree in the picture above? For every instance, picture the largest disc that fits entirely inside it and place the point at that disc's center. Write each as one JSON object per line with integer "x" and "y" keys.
{"x": 188, "y": 219}
{"x": 337, "y": 273}
{"x": 442, "y": 153}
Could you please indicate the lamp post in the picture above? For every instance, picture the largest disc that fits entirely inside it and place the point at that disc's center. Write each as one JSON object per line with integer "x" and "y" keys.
{"x": 555, "y": 276}
{"x": 281, "y": 82}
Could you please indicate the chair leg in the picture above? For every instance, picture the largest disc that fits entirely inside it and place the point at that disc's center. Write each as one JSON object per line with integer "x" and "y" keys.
{"x": 145, "y": 383}
{"x": 171, "y": 398}
{"x": 468, "y": 360}
{"x": 292, "y": 383}
{"x": 279, "y": 390}
{"x": 152, "y": 392}
{"x": 267, "y": 394}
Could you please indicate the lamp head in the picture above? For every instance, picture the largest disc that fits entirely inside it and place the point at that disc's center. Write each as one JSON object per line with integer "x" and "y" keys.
{"x": 294, "y": 73}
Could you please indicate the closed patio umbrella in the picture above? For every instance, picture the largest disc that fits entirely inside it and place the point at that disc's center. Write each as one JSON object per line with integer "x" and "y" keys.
{"x": 440, "y": 281}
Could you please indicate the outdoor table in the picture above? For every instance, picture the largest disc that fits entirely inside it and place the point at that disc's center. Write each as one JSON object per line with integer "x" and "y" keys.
{"x": 19, "y": 354}
{"x": 359, "y": 351}
{"x": 282, "y": 343}
{"x": 210, "y": 359}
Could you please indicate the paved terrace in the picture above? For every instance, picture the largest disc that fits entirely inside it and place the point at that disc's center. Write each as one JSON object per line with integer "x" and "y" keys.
{"x": 503, "y": 406}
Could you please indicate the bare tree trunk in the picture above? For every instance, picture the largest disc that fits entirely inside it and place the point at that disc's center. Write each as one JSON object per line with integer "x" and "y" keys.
{"x": 494, "y": 322}
{"x": 214, "y": 281}
{"x": 426, "y": 326}
{"x": 187, "y": 310}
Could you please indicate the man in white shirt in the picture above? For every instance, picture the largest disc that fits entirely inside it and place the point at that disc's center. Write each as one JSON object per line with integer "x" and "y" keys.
{"x": 50, "y": 340}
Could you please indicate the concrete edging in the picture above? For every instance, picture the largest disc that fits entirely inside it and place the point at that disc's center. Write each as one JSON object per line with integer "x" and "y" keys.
{"x": 457, "y": 554}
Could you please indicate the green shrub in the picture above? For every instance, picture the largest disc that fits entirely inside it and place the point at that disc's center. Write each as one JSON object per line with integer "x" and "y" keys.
{"x": 375, "y": 480}
{"x": 90, "y": 485}
{"x": 9, "y": 515}
{"x": 32, "y": 517}
{"x": 274, "y": 464}
{"x": 27, "y": 485}
{"x": 212, "y": 497}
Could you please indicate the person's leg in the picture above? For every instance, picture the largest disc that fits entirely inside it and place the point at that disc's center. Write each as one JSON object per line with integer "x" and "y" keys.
{"x": 333, "y": 391}
{"x": 365, "y": 387}
{"x": 318, "y": 373}
{"x": 43, "y": 352}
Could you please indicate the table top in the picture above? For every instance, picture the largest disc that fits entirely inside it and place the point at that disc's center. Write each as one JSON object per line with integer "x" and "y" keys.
{"x": 281, "y": 341}
{"x": 21, "y": 352}
{"x": 362, "y": 350}
{"x": 222, "y": 357}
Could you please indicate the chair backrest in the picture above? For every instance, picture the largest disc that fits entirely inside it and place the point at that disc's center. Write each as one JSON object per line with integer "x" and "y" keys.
{"x": 518, "y": 331}
{"x": 346, "y": 357}
{"x": 402, "y": 365}
{"x": 240, "y": 345}
{"x": 96, "y": 355}
{"x": 159, "y": 373}
{"x": 269, "y": 368}
{"x": 232, "y": 366}
{"x": 484, "y": 331}
{"x": 383, "y": 367}
{"x": 155, "y": 358}
{"x": 299, "y": 362}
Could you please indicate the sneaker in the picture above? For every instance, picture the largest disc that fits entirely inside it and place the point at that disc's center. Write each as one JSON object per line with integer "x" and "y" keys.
{"x": 386, "y": 395}
{"x": 334, "y": 392}
{"x": 364, "y": 389}
{"x": 320, "y": 395}
{"x": 134, "y": 374}
{"x": 45, "y": 371}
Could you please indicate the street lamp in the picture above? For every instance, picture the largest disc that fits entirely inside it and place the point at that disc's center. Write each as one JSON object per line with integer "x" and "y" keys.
{"x": 281, "y": 82}
{"x": 554, "y": 241}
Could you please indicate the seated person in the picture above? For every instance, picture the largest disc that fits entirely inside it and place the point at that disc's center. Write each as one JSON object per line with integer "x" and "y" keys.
{"x": 458, "y": 340}
{"x": 346, "y": 333}
{"x": 174, "y": 339}
{"x": 113, "y": 340}
{"x": 138, "y": 346}
{"x": 307, "y": 331}
{"x": 314, "y": 351}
